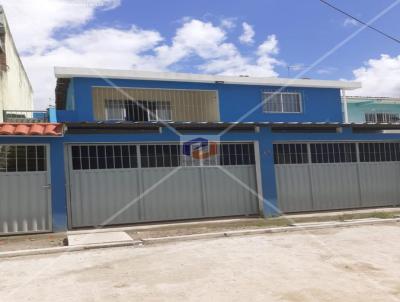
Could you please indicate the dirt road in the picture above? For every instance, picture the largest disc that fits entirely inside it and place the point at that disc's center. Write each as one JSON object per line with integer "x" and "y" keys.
{"x": 349, "y": 264}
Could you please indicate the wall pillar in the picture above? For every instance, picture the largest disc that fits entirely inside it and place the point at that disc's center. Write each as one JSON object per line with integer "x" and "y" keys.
{"x": 345, "y": 109}
{"x": 58, "y": 190}
{"x": 270, "y": 202}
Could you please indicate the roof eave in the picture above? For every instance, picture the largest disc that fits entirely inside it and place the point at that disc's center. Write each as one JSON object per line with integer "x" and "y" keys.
{"x": 72, "y": 72}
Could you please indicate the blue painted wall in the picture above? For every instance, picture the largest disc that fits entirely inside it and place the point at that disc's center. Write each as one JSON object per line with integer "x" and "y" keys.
{"x": 356, "y": 111}
{"x": 237, "y": 102}
{"x": 265, "y": 137}
{"x": 70, "y": 102}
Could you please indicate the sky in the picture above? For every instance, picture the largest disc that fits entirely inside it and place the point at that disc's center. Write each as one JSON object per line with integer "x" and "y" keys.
{"x": 285, "y": 38}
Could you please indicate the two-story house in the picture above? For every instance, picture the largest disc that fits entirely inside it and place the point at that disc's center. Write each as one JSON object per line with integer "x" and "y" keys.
{"x": 133, "y": 147}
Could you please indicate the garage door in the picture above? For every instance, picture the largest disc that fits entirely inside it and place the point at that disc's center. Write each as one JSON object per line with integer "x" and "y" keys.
{"x": 340, "y": 175}
{"x": 120, "y": 184}
{"x": 24, "y": 189}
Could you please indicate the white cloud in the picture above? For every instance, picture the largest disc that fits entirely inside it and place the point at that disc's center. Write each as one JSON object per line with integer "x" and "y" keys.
{"x": 247, "y": 37}
{"x": 350, "y": 22}
{"x": 84, "y": 45}
{"x": 104, "y": 48}
{"x": 33, "y": 23}
{"x": 379, "y": 77}
{"x": 233, "y": 63}
{"x": 193, "y": 38}
{"x": 209, "y": 43}
{"x": 228, "y": 23}
{"x": 296, "y": 67}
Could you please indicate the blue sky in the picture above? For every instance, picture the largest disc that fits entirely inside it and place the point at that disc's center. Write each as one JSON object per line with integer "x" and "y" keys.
{"x": 204, "y": 36}
{"x": 305, "y": 29}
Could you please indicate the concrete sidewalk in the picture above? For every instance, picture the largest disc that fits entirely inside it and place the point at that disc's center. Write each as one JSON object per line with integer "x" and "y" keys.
{"x": 156, "y": 233}
{"x": 119, "y": 239}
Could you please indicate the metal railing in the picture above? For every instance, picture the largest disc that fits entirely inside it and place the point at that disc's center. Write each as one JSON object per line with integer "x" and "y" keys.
{"x": 149, "y": 104}
{"x": 25, "y": 116}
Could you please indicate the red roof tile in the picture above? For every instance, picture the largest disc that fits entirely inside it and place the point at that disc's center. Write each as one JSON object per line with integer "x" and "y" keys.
{"x": 26, "y": 129}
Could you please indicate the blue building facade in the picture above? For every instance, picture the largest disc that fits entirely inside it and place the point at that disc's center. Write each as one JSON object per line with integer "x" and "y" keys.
{"x": 236, "y": 102}
{"x": 270, "y": 133}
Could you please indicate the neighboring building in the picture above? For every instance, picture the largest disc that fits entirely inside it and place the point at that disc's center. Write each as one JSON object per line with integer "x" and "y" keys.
{"x": 373, "y": 109}
{"x": 16, "y": 98}
{"x": 143, "y": 146}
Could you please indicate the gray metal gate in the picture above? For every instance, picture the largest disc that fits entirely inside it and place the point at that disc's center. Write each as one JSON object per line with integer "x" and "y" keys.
{"x": 329, "y": 176}
{"x": 25, "y": 205}
{"x": 126, "y": 184}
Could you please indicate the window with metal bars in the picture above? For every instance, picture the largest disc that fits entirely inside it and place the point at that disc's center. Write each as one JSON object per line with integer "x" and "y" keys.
{"x": 22, "y": 158}
{"x": 378, "y": 152}
{"x": 171, "y": 156}
{"x": 152, "y": 156}
{"x": 93, "y": 157}
{"x": 382, "y": 117}
{"x": 140, "y": 111}
{"x": 282, "y": 102}
{"x": 296, "y": 153}
{"x": 236, "y": 154}
{"x": 290, "y": 154}
{"x": 333, "y": 153}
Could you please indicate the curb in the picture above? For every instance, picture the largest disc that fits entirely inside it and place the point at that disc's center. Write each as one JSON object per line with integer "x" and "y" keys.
{"x": 287, "y": 229}
{"x": 66, "y": 249}
{"x": 297, "y": 228}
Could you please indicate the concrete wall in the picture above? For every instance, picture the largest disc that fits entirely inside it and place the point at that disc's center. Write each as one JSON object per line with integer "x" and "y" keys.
{"x": 15, "y": 88}
{"x": 237, "y": 102}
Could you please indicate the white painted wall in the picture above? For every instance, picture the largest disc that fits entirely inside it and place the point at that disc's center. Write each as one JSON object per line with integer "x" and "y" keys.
{"x": 15, "y": 89}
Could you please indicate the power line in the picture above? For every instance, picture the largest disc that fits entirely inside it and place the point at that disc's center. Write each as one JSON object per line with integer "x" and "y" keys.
{"x": 360, "y": 21}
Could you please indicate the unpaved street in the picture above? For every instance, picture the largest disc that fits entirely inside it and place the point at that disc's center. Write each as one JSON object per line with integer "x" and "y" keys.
{"x": 348, "y": 264}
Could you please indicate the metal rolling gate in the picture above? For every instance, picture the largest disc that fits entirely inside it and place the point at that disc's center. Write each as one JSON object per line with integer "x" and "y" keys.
{"x": 340, "y": 175}
{"x": 126, "y": 183}
{"x": 25, "y": 205}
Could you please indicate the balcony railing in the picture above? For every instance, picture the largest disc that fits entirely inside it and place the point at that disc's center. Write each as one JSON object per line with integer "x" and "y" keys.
{"x": 153, "y": 104}
{"x": 25, "y": 116}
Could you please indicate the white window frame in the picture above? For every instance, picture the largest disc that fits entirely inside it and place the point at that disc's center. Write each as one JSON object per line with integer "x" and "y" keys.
{"x": 155, "y": 116}
{"x": 115, "y": 110}
{"x": 281, "y": 102}
{"x": 111, "y": 107}
{"x": 386, "y": 114}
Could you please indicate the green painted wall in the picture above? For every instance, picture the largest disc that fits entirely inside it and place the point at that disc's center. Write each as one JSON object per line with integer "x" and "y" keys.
{"x": 356, "y": 111}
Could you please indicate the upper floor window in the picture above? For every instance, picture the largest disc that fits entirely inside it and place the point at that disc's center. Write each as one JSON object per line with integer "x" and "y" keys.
{"x": 284, "y": 102}
{"x": 141, "y": 111}
{"x": 382, "y": 117}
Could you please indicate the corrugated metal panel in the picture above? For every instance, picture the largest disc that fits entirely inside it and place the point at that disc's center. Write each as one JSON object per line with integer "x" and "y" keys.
{"x": 225, "y": 196}
{"x": 334, "y": 186}
{"x": 24, "y": 203}
{"x": 293, "y": 188}
{"x": 99, "y": 194}
{"x": 317, "y": 187}
{"x": 190, "y": 192}
{"x": 178, "y": 197}
{"x": 380, "y": 183}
